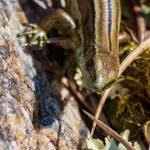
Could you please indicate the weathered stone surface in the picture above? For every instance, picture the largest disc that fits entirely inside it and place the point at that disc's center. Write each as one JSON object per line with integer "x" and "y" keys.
{"x": 16, "y": 86}
{"x": 68, "y": 132}
{"x": 36, "y": 110}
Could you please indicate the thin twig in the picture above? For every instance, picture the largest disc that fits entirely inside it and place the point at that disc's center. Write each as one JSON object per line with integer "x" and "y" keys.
{"x": 140, "y": 19}
{"x": 127, "y": 61}
{"x": 109, "y": 131}
{"x": 133, "y": 55}
{"x": 100, "y": 106}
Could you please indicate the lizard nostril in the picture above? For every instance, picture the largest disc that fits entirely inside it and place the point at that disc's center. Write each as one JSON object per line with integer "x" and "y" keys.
{"x": 94, "y": 77}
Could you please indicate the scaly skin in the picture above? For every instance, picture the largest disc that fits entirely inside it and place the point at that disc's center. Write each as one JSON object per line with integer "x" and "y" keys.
{"x": 97, "y": 55}
{"x": 93, "y": 26}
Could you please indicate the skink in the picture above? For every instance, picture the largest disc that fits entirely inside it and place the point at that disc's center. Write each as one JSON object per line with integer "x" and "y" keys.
{"x": 94, "y": 28}
{"x": 97, "y": 55}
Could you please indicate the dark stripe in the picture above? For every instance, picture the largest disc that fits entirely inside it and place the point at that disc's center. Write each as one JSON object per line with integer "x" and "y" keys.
{"x": 109, "y": 16}
{"x": 87, "y": 10}
{"x": 110, "y": 22}
{"x": 94, "y": 21}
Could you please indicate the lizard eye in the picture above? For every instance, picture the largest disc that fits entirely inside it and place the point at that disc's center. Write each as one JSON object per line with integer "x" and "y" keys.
{"x": 89, "y": 63}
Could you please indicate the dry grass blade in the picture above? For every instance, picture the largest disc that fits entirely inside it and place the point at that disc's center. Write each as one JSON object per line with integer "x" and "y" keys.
{"x": 127, "y": 61}
{"x": 99, "y": 109}
{"x": 109, "y": 131}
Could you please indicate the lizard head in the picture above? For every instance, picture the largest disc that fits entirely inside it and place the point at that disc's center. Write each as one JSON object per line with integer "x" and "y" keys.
{"x": 99, "y": 70}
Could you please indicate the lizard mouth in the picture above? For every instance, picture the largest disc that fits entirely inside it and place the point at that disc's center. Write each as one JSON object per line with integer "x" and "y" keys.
{"x": 108, "y": 85}
{"x": 99, "y": 84}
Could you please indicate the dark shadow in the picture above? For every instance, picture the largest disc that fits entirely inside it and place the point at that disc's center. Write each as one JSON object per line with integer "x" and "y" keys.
{"x": 49, "y": 105}
{"x": 47, "y": 102}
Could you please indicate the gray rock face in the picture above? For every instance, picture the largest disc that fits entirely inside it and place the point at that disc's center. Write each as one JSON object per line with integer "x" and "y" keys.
{"x": 36, "y": 110}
